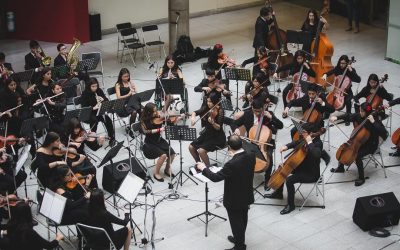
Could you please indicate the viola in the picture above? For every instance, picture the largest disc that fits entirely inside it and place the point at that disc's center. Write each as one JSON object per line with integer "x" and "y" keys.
{"x": 78, "y": 179}
{"x": 373, "y": 99}
{"x": 396, "y": 138}
{"x": 173, "y": 118}
{"x": 296, "y": 92}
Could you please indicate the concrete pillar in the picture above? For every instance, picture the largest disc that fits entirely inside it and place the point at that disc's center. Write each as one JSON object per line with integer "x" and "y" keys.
{"x": 177, "y": 10}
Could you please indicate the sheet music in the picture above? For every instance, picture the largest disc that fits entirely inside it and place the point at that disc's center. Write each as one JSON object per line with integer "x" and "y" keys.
{"x": 201, "y": 177}
{"x": 22, "y": 159}
{"x": 130, "y": 187}
{"x": 53, "y": 206}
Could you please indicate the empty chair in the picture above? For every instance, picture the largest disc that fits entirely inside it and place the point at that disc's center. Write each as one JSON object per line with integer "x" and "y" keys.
{"x": 131, "y": 33}
{"x": 120, "y": 27}
{"x": 147, "y": 30}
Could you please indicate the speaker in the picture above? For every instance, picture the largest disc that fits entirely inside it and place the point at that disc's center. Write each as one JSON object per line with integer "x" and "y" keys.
{"x": 114, "y": 174}
{"x": 94, "y": 27}
{"x": 379, "y": 210}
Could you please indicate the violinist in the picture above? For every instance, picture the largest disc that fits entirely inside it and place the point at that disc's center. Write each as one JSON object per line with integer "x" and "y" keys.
{"x": 213, "y": 136}
{"x": 260, "y": 62}
{"x": 376, "y": 129}
{"x": 79, "y": 137}
{"x": 5, "y": 70}
{"x": 373, "y": 87}
{"x": 7, "y": 165}
{"x": 338, "y": 70}
{"x": 154, "y": 145}
{"x": 56, "y": 107}
{"x": 261, "y": 28}
{"x": 308, "y": 170}
{"x": 310, "y": 25}
{"x": 293, "y": 68}
{"x": 252, "y": 118}
{"x": 258, "y": 90}
{"x": 93, "y": 96}
{"x": 219, "y": 60}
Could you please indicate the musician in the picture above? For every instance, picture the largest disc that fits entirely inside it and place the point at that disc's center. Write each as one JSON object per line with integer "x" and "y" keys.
{"x": 92, "y": 96}
{"x": 213, "y": 136}
{"x": 79, "y": 137}
{"x": 7, "y": 169}
{"x": 125, "y": 88}
{"x": 42, "y": 87}
{"x": 252, "y": 118}
{"x": 370, "y": 89}
{"x": 61, "y": 58}
{"x": 154, "y": 145}
{"x": 264, "y": 20}
{"x": 310, "y": 25}
{"x": 21, "y": 233}
{"x": 238, "y": 174}
{"x": 56, "y": 107}
{"x": 294, "y": 68}
{"x": 170, "y": 69}
{"x": 100, "y": 217}
{"x": 376, "y": 129}
{"x": 338, "y": 70}
{"x": 258, "y": 89}
{"x": 219, "y": 60}
{"x": 391, "y": 104}
{"x": 5, "y": 69}
{"x": 33, "y": 60}
{"x": 308, "y": 170}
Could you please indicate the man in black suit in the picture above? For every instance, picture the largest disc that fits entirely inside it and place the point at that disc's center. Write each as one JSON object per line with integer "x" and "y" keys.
{"x": 238, "y": 174}
{"x": 5, "y": 69}
{"x": 61, "y": 58}
{"x": 262, "y": 28}
{"x": 33, "y": 60}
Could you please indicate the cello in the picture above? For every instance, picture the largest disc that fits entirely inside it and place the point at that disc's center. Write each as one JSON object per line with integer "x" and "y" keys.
{"x": 322, "y": 51}
{"x": 336, "y": 97}
{"x": 296, "y": 92}
{"x": 373, "y": 99}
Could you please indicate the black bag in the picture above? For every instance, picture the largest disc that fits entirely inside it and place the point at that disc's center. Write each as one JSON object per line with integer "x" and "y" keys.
{"x": 184, "y": 50}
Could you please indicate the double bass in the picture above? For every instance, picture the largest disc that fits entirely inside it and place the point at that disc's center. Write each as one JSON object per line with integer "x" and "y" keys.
{"x": 373, "y": 99}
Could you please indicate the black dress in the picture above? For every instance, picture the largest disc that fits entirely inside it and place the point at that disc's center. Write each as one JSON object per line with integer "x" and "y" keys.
{"x": 134, "y": 104}
{"x": 154, "y": 145}
{"x": 41, "y": 163}
{"x": 29, "y": 239}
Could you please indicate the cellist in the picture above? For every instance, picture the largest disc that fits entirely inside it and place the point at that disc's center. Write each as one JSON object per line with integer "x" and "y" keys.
{"x": 376, "y": 130}
{"x": 308, "y": 170}
{"x": 391, "y": 104}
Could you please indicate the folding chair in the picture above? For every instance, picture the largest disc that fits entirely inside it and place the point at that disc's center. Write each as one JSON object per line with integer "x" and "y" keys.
{"x": 318, "y": 186}
{"x": 94, "y": 238}
{"x": 131, "y": 33}
{"x": 122, "y": 123}
{"x": 222, "y": 151}
{"x": 388, "y": 118}
{"x": 136, "y": 129}
{"x": 377, "y": 158}
{"x": 150, "y": 42}
{"x": 120, "y": 27}
{"x": 95, "y": 72}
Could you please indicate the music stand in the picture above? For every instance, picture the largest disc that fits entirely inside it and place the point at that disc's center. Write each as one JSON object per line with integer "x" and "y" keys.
{"x": 141, "y": 97}
{"x": 181, "y": 133}
{"x": 171, "y": 86}
{"x": 206, "y": 213}
{"x": 298, "y": 37}
{"x": 60, "y": 72}
{"x": 226, "y": 104}
{"x": 237, "y": 75}
{"x": 30, "y": 126}
{"x": 87, "y": 64}
{"x": 24, "y": 76}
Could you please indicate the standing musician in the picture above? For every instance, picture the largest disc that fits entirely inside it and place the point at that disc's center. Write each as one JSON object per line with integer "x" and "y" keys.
{"x": 154, "y": 145}
{"x": 294, "y": 68}
{"x": 56, "y": 107}
{"x": 61, "y": 58}
{"x": 391, "y": 104}
{"x": 373, "y": 87}
{"x": 261, "y": 28}
{"x": 376, "y": 130}
{"x": 238, "y": 174}
{"x": 5, "y": 69}
{"x": 338, "y": 70}
{"x": 213, "y": 135}
{"x": 310, "y": 25}
{"x": 33, "y": 60}
{"x": 252, "y": 118}
{"x": 308, "y": 171}
{"x": 93, "y": 96}
{"x": 125, "y": 88}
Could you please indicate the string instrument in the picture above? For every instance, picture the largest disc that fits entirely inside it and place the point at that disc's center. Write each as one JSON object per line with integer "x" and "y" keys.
{"x": 11, "y": 200}
{"x": 9, "y": 140}
{"x": 173, "y": 118}
{"x": 88, "y": 136}
{"x": 347, "y": 152}
{"x": 70, "y": 152}
{"x": 296, "y": 92}
{"x": 224, "y": 59}
{"x": 396, "y": 138}
{"x": 260, "y": 135}
{"x": 373, "y": 99}
{"x": 336, "y": 97}
{"x": 77, "y": 177}
{"x": 322, "y": 50}
{"x": 293, "y": 160}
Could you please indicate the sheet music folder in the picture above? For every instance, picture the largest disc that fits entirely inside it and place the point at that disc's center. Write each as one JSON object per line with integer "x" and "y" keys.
{"x": 52, "y": 206}
{"x": 199, "y": 176}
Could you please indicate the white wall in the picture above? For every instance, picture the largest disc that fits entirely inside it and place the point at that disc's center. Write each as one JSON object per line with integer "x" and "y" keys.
{"x": 138, "y": 11}
{"x": 393, "y": 39}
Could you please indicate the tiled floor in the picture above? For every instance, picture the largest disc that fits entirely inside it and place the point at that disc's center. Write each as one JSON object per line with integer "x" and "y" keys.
{"x": 311, "y": 228}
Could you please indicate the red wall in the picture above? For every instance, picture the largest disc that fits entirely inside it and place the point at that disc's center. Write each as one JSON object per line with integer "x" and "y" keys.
{"x": 50, "y": 20}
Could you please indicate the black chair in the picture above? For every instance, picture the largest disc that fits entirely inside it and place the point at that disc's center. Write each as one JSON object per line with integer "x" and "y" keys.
{"x": 120, "y": 27}
{"x": 131, "y": 33}
{"x": 94, "y": 238}
{"x": 153, "y": 42}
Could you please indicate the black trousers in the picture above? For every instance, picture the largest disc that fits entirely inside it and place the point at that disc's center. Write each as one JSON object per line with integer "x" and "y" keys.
{"x": 94, "y": 121}
{"x": 359, "y": 161}
{"x": 353, "y": 12}
{"x": 293, "y": 179}
{"x": 238, "y": 220}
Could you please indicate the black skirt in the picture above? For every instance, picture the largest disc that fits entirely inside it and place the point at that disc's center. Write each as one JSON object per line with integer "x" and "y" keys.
{"x": 153, "y": 151}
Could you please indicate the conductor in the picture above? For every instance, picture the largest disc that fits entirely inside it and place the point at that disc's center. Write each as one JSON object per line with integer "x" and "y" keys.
{"x": 238, "y": 174}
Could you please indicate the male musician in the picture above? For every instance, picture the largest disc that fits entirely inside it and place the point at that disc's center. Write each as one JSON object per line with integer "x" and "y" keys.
{"x": 262, "y": 28}
{"x": 376, "y": 130}
{"x": 238, "y": 174}
{"x": 252, "y": 118}
{"x": 61, "y": 59}
{"x": 308, "y": 170}
{"x": 33, "y": 60}
{"x": 5, "y": 69}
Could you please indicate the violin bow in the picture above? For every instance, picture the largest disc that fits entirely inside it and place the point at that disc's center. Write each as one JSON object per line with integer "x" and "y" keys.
{"x": 207, "y": 112}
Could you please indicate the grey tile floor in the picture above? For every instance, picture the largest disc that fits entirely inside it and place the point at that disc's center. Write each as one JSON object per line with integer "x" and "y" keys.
{"x": 310, "y": 228}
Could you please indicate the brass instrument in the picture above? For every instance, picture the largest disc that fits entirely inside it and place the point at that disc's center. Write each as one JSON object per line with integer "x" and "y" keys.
{"x": 72, "y": 59}
{"x": 5, "y": 71}
{"x": 46, "y": 60}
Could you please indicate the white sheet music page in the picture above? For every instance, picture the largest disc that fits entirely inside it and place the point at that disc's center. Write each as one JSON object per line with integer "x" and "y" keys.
{"x": 130, "y": 187}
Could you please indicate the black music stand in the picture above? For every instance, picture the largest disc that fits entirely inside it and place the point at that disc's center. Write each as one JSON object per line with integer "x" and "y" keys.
{"x": 171, "y": 86}
{"x": 24, "y": 76}
{"x": 106, "y": 107}
{"x": 226, "y": 104}
{"x": 141, "y": 97}
{"x": 30, "y": 126}
{"x": 181, "y": 133}
{"x": 298, "y": 37}
{"x": 238, "y": 75}
{"x": 87, "y": 64}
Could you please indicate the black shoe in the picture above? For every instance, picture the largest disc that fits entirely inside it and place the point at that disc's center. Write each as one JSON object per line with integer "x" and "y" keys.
{"x": 167, "y": 174}
{"x": 359, "y": 182}
{"x": 347, "y": 123}
{"x": 287, "y": 209}
{"x": 349, "y": 28}
{"x": 160, "y": 180}
{"x": 231, "y": 239}
{"x": 339, "y": 169}
{"x": 274, "y": 195}
{"x": 35, "y": 223}
{"x": 266, "y": 188}
{"x": 395, "y": 154}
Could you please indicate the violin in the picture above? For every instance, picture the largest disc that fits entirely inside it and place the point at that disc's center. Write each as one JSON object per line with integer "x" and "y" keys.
{"x": 10, "y": 200}
{"x": 373, "y": 99}
{"x": 70, "y": 152}
{"x": 88, "y": 136}
{"x": 224, "y": 59}
{"x": 9, "y": 140}
{"x": 77, "y": 179}
{"x": 173, "y": 118}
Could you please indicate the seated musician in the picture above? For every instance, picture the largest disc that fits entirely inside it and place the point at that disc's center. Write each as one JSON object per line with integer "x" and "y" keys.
{"x": 56, "y": 107}
{"x": 338, "y": 70}
{"x": 154, "y": 145}
{"x": 370, "y": 89}
{"x": 79, "y": 137}
{"x": 310, "y": 25}
{"x": 219, "y": 60}
{"x": 213, "y": 136}
{"x": 10, "y": 97}
{"x": 93, "y": 96}
{"x": 61, "y": 58}
{"x": 390, "y": 104}
{"x": 41, "y": 89}
{"x": 306, "y": 102}
{"x": 5, "y": 70}
{"x": 7, "y": 166}
{"x": 260, "y": 62}
{"x": 251, "y": 118}
{"x": 308, "y": 171}
{"x": 295, "y": 67}
{"x": 258, "y": 89}
{"x": 376, "y": 129}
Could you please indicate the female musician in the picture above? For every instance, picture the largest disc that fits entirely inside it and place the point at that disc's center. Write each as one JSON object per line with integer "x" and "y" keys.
{"x": 376, "y": 130}
{"x": 92, "y": 96}
{"x": 260, "y": 62}
{"x": 100, "y": 217}
{"x": 7, "y": 184}
{"x": 308, "y": 171}
{"x": 338, "y": 70}
{"x": 79, "y": 137}
{"x": 294, "y": 68}
{"x": 5, "y": 70}
{"x": 125, "y": 88}
{"x": 310, "y": 25}
{"x": 155, "y": 146}
{"x": 21, "y": 233}
{"x": 258, "y": 89}
{"x": 251, "y": 118}
{"x": 218, "y": 60}
{"x": 43, "y": 84}
{"x": 213, "y": 136}
{"x": 56, "y": 107}
{"x": 170, "y": 69}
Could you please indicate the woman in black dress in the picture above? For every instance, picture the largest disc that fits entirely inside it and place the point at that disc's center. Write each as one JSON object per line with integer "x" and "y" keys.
{"x": 155, "y": 146}
{"x": 92, "y": 96}
{"x": 213, "y": 135}
{"x": 100, "y": 217}
{"x": 79, "y": 137}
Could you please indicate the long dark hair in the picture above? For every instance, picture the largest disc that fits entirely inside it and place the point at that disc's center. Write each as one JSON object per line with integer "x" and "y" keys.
{"x": 372, "y": 77}
{"x": 20, "y": 223}
{"x": 72, "y": 124}
{"x": 307, "y": 21}
{"x": 147, "y": 113}
{"x": 92, "y": 81}
{"x": 50, "y": 138}
{"x": 165, "y": 68}
{"x": 58, "y": 181}
{"x": 213, "y": 58}
{"x": 96, "y": 202}
{"x": 341, "y": 58}
{"x": 42, "y": 73}
{"x": 122, "y": 72}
